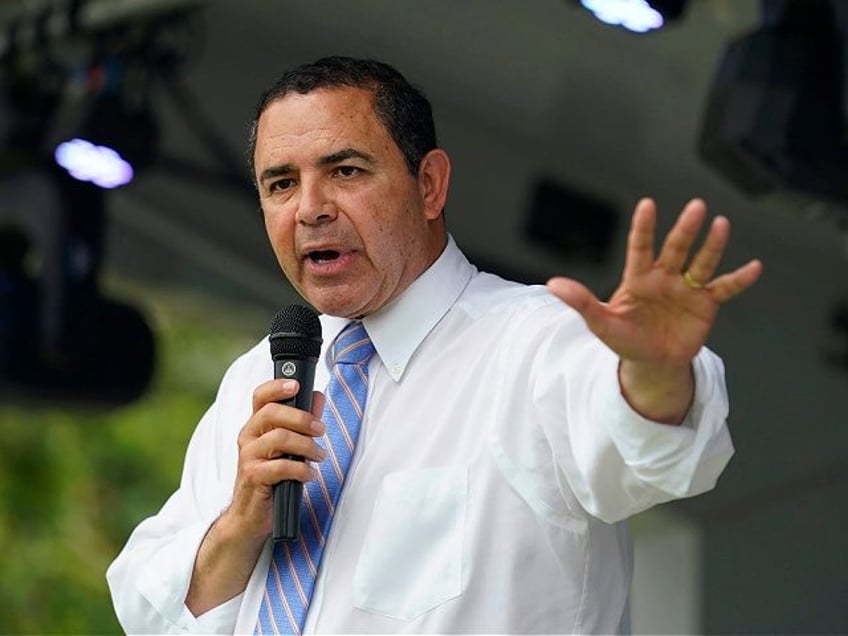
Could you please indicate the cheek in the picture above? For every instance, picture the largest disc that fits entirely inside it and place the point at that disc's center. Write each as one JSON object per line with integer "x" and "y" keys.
{"x": 279, "y": 231}
{"x": 386, "y": 238}
{"x": 393, "y": 221}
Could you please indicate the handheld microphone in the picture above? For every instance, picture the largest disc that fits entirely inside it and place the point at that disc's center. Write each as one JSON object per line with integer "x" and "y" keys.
{"x": 295, "y": 346}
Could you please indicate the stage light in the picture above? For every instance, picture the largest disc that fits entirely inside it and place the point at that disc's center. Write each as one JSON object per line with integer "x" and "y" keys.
{"x": 107, "y": 136}
{"x": 76, "y": 118}
{"x": 100, "y": 165}
{"x": 638, "y": 16}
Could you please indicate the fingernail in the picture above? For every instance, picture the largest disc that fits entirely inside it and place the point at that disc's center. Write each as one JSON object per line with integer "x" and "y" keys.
{"x": 289, "y": 385}
{"x": 318, "y": 427}
{"x": 322, "y": 454}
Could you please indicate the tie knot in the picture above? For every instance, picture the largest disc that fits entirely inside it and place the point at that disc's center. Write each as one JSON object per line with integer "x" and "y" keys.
{"x": 353, "y": 346}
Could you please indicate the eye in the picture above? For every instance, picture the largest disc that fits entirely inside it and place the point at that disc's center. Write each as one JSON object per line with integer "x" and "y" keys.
{"x": 280, "y": 185}
{"x": 347, "y": 171}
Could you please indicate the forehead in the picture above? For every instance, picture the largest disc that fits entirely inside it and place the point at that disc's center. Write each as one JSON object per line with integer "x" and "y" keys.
{"x": 324, "y": 121}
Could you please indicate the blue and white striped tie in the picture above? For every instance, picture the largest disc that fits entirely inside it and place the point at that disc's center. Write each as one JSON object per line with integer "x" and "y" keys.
{"x": 293, "y": 569}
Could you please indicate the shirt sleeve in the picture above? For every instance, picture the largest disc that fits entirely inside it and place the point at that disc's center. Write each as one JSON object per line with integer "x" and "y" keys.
{"x": 150, "y": 578}
{"x": 616, "y": 462}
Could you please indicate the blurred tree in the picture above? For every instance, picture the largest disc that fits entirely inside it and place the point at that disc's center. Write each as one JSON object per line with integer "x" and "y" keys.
{"x": 74, "y": 483}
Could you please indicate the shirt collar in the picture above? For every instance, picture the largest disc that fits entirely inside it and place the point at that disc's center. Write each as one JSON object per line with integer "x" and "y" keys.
{"x": 397, "y": 329}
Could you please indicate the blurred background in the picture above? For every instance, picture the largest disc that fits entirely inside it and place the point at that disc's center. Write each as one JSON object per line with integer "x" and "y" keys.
{"x": 129, "y": 281}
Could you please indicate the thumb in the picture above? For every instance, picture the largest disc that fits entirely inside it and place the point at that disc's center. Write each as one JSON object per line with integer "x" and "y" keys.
{"x": 578, "y": 297}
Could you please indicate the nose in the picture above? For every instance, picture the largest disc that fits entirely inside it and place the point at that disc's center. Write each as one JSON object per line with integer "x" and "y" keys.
{"x": 315, "y": 206}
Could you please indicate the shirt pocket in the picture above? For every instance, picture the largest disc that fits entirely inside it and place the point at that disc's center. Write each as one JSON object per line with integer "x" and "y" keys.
{"x": 411, "y": 561}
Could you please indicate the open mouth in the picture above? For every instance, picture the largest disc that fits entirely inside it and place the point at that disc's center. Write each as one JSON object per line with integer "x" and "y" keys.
{"x": 323, "y": 256}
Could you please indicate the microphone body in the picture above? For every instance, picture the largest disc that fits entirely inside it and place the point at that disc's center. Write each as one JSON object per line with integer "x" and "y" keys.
{"x": 295, "y": 341}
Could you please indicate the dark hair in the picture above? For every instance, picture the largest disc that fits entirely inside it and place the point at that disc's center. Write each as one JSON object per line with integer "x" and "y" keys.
{"x": 400, "y": 107}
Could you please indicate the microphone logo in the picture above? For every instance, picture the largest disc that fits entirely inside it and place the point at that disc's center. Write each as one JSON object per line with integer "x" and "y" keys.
{"x": 288, "y": 369}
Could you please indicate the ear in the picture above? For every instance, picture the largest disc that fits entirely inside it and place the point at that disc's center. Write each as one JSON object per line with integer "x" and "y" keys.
{"x": 433, "y": 180}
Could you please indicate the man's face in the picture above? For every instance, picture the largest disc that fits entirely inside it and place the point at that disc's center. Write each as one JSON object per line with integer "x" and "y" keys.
{"x": 347, "y": 221}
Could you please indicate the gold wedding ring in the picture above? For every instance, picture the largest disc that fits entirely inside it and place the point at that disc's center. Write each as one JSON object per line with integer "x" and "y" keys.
{"x": 691, "y": 283}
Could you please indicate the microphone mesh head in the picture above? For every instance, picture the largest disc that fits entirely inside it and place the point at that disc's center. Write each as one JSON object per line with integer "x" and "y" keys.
{"x": 295, "y": 333}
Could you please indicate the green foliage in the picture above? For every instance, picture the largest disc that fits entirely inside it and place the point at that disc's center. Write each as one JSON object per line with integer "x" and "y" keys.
{"x": 75, "y": 482}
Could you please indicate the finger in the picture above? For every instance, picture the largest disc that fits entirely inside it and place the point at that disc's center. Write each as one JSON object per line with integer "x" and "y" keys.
{"x": 579, "y": 298}
{"x": 734, "y": 283}
{"x": 675, "y": 250}
{"x": 640, "y": 240}
{"x": 318, "y": 402}
{"x": 282, "y": 441}
{"x": 273, "y": 471}
{"x": 706, "y": 261}
{"x": 274, "y": 415}
{"x": 274, "y": 391}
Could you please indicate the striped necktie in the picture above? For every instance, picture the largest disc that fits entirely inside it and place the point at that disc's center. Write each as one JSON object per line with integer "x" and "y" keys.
{"x": 294, "y": 567}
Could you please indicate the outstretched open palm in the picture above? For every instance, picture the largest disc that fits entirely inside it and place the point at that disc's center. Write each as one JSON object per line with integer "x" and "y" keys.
{"x": 661, "y": 314}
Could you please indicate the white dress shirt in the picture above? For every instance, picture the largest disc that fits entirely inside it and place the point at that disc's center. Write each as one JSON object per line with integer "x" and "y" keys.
{"x": 495, "y": 467}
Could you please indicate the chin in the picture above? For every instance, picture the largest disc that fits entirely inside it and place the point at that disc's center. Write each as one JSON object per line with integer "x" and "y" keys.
{"x": 345, "y": 300}
{"x": 330, "y": 304}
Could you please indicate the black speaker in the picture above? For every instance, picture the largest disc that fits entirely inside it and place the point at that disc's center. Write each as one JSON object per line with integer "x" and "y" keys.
{"x": 573, "y": 224}
{"x": 774, "y": 116}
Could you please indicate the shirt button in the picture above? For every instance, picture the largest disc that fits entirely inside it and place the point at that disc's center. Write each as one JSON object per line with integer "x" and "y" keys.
{"x": 395, "y": 369}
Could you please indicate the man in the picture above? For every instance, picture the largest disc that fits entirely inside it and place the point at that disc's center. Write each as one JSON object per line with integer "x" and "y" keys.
{"x": 508, "y": 432}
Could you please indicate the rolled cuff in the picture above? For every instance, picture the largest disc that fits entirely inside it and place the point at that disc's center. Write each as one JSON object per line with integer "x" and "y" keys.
{"x": 683, "y": 460}
{"x": 165, "y": 579}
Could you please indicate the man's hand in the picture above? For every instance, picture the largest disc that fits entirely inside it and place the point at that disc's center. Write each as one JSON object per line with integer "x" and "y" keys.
{"x": 272, "y": 431}
{"x": 663, "y": 310}
{"x": 230, "y": 549}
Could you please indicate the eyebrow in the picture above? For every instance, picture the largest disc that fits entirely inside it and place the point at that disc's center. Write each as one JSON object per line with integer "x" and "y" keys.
{"x": 343, "y": 155}
{"x": 275, "y": 171}
{"x": 328, "y": 160}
